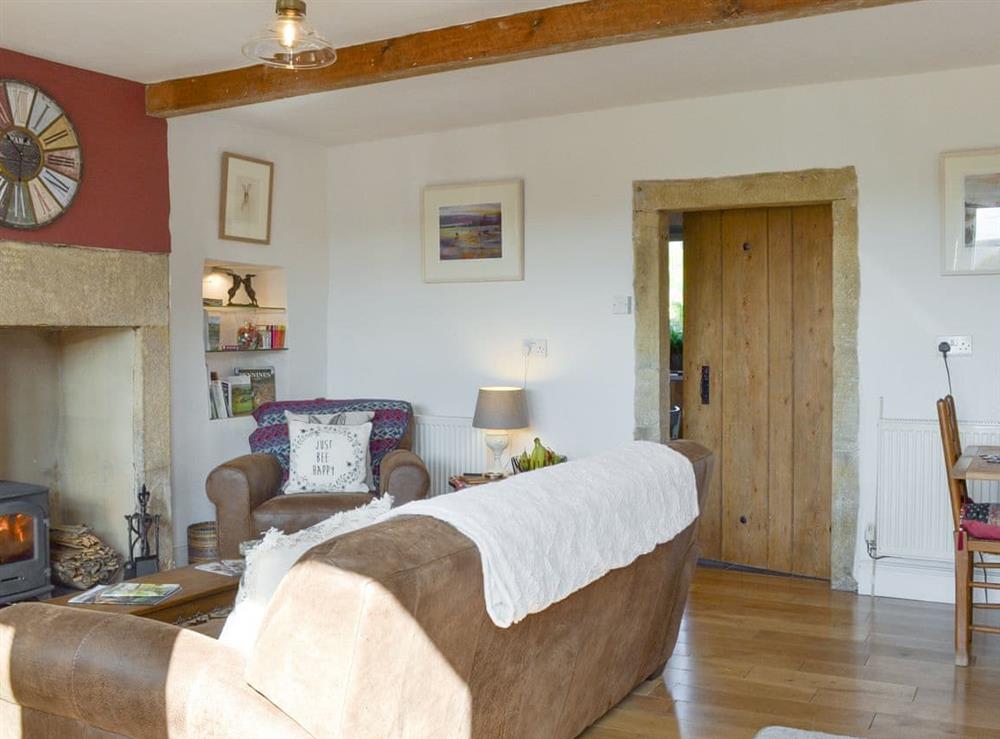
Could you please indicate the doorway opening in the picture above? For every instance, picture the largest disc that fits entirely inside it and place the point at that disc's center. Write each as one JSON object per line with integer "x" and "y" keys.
{"x": 675, "y": 317}
{"x": 813, "y": 470}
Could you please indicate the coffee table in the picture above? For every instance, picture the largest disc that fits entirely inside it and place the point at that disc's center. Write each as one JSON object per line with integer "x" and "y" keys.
{"x": 200, "y": 592}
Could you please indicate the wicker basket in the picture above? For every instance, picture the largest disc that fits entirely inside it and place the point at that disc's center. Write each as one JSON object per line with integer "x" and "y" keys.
{"x": 203, "y": 543}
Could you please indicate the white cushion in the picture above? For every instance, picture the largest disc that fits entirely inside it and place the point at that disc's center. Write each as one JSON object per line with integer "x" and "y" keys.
{"x": 269, "y": 562}
{"x": 344, "y": 418}
{"x": 327, "y": 459}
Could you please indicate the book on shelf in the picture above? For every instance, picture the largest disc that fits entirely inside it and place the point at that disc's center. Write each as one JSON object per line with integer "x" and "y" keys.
{"x": 239, "y": 394}
{"x": 136, "y": 594}
{"x": 261, "y": 382}
{"x": 219, "y": 401}
{"x": 213, "y": 332}
{"x": 272, "y": 336}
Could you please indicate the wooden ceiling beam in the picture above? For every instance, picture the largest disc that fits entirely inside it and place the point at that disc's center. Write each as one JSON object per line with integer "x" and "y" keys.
{"x": 552, "y": 30}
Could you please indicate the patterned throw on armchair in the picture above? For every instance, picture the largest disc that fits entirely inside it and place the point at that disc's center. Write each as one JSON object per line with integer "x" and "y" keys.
{"x": 247, "y": 493}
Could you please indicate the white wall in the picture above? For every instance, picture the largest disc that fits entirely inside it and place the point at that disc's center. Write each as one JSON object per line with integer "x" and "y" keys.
{"x": 29, "y": 406}
{"x": 434, "y": 344}
{"x": 96, "y": 408}
{"x": 298, "y": 243}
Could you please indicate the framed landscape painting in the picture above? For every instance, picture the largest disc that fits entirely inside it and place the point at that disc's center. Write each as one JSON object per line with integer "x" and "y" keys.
{"x": 971, "y": 212}
{"x": 473, "y": 232}
{"x": 245, "y": 207}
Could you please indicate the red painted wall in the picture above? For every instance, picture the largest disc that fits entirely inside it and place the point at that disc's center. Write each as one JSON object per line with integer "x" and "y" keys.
{"x": 124, "y": 198}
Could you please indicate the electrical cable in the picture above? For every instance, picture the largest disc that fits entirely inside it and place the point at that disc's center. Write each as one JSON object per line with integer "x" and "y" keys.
{"x": 944, "y": 347}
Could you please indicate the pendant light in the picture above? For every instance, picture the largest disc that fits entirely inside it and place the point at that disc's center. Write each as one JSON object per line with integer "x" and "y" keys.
{"x": 289, "y": 42}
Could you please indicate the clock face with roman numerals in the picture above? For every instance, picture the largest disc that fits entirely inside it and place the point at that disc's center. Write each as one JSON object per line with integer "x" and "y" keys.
{"x": 40, "y": 158}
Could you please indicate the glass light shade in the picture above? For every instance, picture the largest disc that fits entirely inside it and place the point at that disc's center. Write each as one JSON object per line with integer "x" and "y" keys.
{"x": 290, "y": 42}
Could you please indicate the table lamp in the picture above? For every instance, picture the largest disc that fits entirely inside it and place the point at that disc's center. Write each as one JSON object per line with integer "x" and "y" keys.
{"x": 498, "y": 410}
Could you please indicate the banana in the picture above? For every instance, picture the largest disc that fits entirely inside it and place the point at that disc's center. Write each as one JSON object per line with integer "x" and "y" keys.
{"x": 538, "y": 455}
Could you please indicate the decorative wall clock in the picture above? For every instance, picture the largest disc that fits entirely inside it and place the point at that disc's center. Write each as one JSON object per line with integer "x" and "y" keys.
{"x": 40, "y": 158}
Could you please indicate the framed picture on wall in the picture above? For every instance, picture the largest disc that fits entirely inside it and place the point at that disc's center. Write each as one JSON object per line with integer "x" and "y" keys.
{"x": 971, "y": 187}
{"x": 245, "y": 203}
{"x": 474, "y": 232}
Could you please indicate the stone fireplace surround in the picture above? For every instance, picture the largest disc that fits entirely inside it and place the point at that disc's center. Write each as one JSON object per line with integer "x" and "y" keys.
{"x": 66, "y": 287}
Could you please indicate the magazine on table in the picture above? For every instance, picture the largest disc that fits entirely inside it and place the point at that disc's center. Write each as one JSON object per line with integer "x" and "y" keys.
{"x": 136, "y": 594}
{"x": 88, "y": 596}
{"x": 228, "y": 567}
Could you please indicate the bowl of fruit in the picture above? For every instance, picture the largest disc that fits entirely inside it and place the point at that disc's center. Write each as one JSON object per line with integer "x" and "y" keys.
{"x": 540, "y": 456}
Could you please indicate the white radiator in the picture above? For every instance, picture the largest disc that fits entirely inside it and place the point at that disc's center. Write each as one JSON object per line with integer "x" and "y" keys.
{"x": 448, "y": 446}
{"x": 913, "y": 512}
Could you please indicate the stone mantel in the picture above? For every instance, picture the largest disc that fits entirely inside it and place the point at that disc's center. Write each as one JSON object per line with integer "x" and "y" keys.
{"x": 82, "y": 286}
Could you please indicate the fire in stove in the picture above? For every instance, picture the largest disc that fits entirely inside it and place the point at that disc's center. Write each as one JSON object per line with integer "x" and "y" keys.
{"x": 17, "y": 542}
{"x": 24, "y": 542}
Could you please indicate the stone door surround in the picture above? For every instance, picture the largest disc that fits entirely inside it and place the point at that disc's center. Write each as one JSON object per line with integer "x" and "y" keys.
{"x": 652, "y": 201}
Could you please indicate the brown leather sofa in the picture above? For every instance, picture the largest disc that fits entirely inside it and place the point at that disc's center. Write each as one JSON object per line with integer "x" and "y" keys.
{"x": 248, "y": 501}
{"x": 377, "y": 634}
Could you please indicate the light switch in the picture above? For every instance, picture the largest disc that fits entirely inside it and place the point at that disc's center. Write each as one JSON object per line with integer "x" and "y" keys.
{"x": 621, "y": 305}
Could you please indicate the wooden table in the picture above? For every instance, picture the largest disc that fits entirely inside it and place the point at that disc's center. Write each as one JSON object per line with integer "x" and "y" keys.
{"x": 200, "y": 593}
{"x": 971, "y": 465}
{"x": 460, "y": 482}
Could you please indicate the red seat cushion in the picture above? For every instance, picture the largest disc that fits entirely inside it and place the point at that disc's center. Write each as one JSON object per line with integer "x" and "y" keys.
{"x": 981, "y": 520}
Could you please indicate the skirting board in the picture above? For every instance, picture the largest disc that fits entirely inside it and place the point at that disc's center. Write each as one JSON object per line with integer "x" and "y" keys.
{"x": 912, "y": 579}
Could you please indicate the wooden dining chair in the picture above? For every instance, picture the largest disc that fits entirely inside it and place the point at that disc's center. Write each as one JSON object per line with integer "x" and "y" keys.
{"x": 965, "y": 545}
{"x": 949, "y": 401}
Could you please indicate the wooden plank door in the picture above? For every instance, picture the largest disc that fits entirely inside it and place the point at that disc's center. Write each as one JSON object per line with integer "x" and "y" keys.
{"x": 758, "y": 381}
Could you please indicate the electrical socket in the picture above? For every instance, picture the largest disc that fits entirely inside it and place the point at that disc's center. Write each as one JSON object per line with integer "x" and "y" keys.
{"x": 961, "y": 346}
{"x": 536, "y": 347}
{"x": 870, "y": 534}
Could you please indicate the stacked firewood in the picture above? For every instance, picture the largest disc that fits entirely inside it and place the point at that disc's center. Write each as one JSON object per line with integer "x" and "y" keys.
{"x": 80, "y": 559}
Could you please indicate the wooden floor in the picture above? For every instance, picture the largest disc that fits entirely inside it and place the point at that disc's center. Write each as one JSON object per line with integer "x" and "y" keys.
{"x": 757, "y": 650}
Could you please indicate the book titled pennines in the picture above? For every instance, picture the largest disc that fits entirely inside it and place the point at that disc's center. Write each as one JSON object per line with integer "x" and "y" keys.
{"x": 261, "y": 384}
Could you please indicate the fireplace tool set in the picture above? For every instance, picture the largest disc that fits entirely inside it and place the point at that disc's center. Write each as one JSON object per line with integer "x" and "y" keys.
{"x": 144, "y": 534}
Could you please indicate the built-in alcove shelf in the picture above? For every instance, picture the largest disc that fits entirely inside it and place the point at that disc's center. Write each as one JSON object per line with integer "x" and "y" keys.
{"x": 225, "y": 320}
{"x": 244, "y": 308}
{"x": 244, "y": 351}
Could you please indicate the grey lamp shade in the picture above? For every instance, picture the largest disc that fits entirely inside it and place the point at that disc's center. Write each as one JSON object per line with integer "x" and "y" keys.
{"x": 501, "y": 408}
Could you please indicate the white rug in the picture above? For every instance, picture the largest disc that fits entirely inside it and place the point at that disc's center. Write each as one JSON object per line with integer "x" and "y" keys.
{"x": 783, "y": 732}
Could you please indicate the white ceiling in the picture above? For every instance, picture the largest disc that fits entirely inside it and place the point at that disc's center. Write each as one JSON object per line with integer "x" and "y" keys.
{"x": 149, "y": 40}
{"x": 879, "y": 42}
{"x": 152, "y": 40}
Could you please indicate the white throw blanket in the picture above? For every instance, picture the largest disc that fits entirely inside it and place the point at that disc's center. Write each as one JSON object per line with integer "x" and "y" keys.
{"x": 544, "y": 535}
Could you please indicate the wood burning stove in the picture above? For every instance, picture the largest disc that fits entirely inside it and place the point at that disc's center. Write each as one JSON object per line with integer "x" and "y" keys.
{"x": 24, "y": 541}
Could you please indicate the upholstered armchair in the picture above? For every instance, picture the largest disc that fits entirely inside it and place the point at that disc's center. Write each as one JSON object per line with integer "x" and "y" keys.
{"x": 247, "y": 491}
